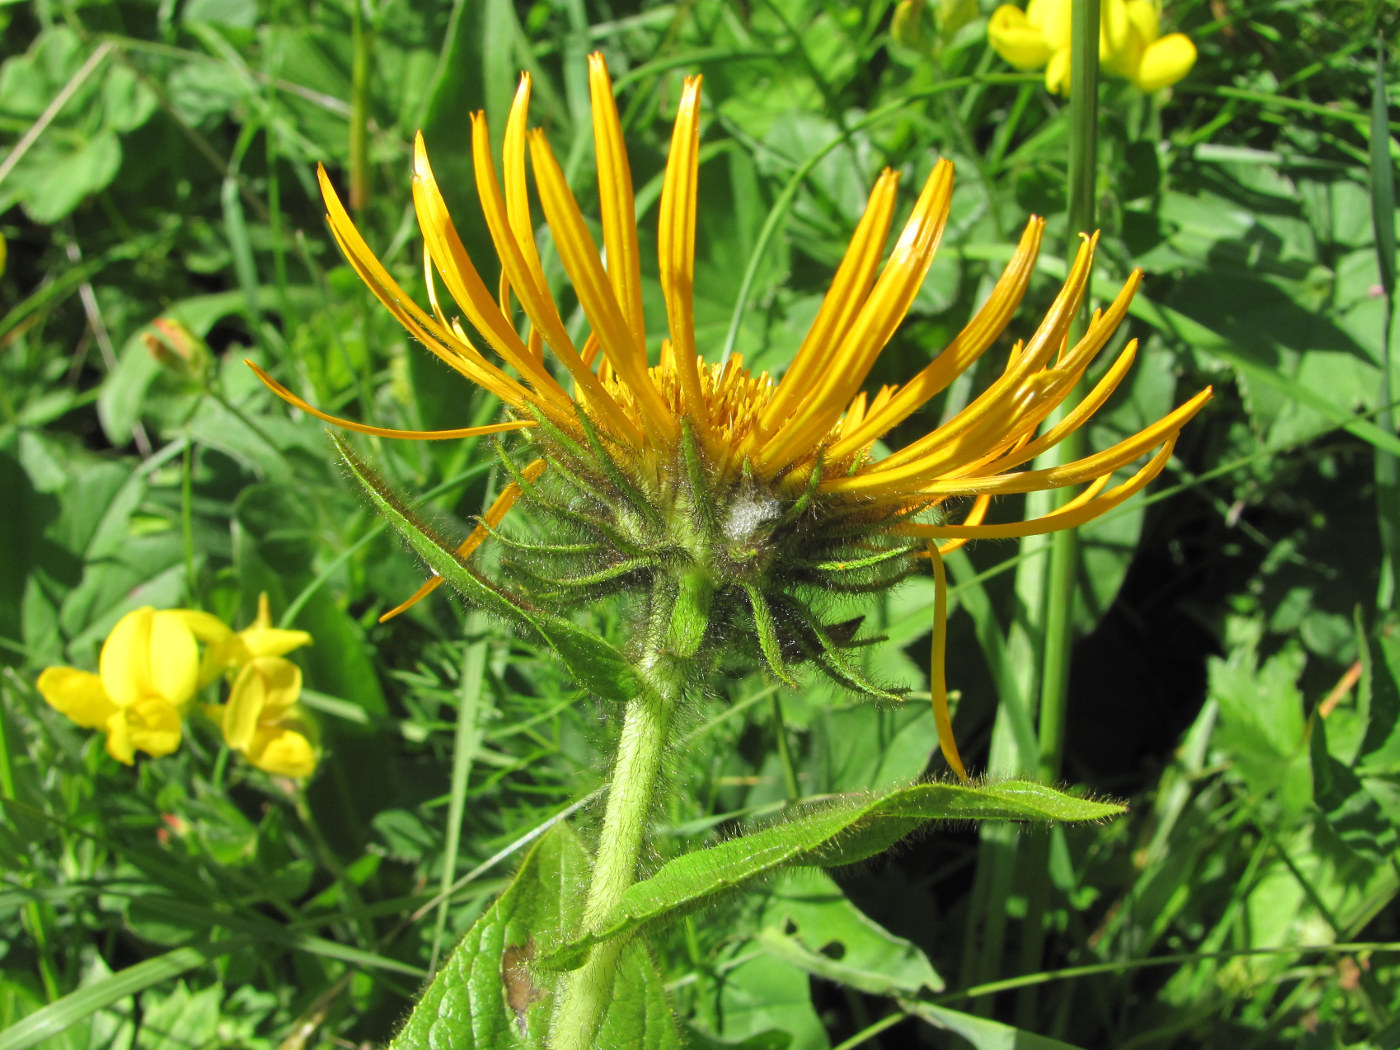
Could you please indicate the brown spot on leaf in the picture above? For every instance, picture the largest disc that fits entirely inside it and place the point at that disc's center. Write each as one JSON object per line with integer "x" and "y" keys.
{"x": 521, "y": 990}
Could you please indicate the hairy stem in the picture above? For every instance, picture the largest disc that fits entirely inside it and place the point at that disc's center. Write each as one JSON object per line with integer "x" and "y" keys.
{"x": 587, "y": 991}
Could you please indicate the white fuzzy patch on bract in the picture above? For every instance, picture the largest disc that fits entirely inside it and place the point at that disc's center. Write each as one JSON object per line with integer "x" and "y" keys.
{"x": 749, "y": 512}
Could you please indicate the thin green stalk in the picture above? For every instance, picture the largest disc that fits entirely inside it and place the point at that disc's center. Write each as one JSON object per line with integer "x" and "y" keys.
{"x": 187, "y": 522}
{"x": 1038, "y": 645}
{"x": 1063, "y": 564}
{"x": 362, "y": 41}
{"x": 1064, "y": 545}
{"x": 1383, "y": 219}
{"x": 784, "y": 751}
{"x": 587, "y": 991}
{"x": 464, "y": 748}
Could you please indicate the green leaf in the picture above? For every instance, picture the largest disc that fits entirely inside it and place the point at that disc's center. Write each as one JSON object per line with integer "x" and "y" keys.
{"x": 486, "y": 995}
{"x": 53, "y": 180}
{"x": 597, "y": 665}
{"x": 640, "y": 1015}
{"x": 809, "y": 922}
{"x": 828, "y": 834}
{"x": 489, "y": 995}
{"x": 982, "y": 1033}
{"x": 127, "y": 103}
{"x": 767, "y": 1002}
{"x": 1262, "y": 723}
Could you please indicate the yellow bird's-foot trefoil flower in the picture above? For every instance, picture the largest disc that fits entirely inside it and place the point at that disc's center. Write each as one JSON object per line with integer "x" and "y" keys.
{"x": 229, "y": 650}
{"x": 148, "y": 672}
{"x": 729, "y": 504}
{"x": 264, "y": 720}
{"x": 1130, "y": 42}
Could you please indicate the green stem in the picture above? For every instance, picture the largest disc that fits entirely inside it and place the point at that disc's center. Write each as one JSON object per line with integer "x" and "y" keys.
{"x": 587, "y": 991}
{"x": 790, "y": 785}
{"x": 1064, "y": 546}
{"x": 1057, "y": 613}
{"x": 362, "y": 41}
{"x": 1038, "y": 645}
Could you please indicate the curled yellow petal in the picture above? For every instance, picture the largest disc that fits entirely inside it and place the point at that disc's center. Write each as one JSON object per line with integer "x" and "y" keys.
{"x": 124, "y": 662}
{"x": 363, "y": 428}
{"x": 1115, "y": 29}
{"x": 937, "y": 680}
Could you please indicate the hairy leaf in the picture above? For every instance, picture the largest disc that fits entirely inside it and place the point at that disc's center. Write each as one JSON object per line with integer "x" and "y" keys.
{"x": 828, "y": 834}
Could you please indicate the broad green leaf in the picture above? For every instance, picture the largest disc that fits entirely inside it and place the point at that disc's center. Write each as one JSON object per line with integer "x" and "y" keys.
{"x": 827, "y": 834}
{"x": 767, "y": 1002}
{"x": 53, "y": 179}
{"x": 809, "y": 922}
{"x": 640, "y": 1017}
{"x": 489, "y": 996}
{"x": 597, "y": 665}
{"x": 982, "y": 1033}
{"x": 486, "y": 996}
{"x": 1262, "y": 724}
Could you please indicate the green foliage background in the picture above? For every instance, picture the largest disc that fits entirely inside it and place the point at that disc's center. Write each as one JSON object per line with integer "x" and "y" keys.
{"x": 1236, "y": 674}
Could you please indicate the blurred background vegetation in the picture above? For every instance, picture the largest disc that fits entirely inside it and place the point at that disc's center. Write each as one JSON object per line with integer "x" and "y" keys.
{"x": 1235, "y": 674}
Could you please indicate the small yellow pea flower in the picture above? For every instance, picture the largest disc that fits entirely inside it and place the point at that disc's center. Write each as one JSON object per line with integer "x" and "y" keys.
{"x": 148, "y": 672}
{"x": 263, "y": 720}
{"x": 1130, "y": 42}
{"x": 229, "y": 650}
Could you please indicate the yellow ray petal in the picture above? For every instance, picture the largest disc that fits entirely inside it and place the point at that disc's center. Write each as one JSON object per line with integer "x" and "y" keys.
{"x": 845, "y": 370}
{"x": 676, "y": 247}
{"x": 493, "y": 517}
{"x": 617, "y": 203}
{"x": 517, "y": 197}
{"x": 538, "y": 305}
{"x": 595, "y": 292}
{"x": 937, "y": 676}
{"x": 364, "y": 428}
{"x": 1067, "y": 517}
{"x": 1080, "y": 414}
{"x": 975, "y": 516}
{"x": 959, "y": 355}
{"x": 453, "y": 350}
{"x": 1007, "y": 403}
{"x": 1079, "y": 471}
{"x": 465, "y": 285}
{"x": 842, "y": 302}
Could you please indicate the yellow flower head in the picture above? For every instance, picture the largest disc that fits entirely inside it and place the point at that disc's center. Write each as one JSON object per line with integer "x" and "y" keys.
{"x": 263, "y": 720}
{"x": 727, "y": 499}
{"x": 148, "y": 673}
{"x": 1130, "y": 43}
